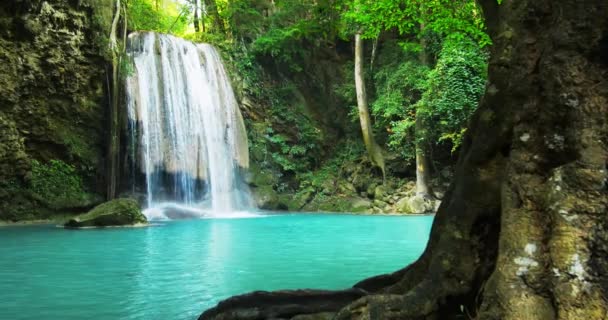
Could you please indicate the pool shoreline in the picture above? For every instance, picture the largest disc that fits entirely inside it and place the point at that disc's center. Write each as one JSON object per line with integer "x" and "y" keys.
{"x": 60, "y": 220}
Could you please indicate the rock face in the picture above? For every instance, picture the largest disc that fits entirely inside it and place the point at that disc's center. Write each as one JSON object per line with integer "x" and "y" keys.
{"x": 52, "y": 99}
{"x": 118, "y": 212}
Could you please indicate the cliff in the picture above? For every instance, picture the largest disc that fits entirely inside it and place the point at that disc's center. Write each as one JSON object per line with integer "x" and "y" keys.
{"x": 52, "y": 105}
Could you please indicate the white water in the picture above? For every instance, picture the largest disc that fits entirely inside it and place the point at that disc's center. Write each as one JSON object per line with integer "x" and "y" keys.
{"x": 190, "y": 137}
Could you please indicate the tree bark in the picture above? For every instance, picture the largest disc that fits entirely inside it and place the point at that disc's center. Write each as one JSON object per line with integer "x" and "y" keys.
{"x": 532, "y": 170}
{"x": 197, "y": 27}
{"x": 522, "y": 232}
{"x": 423, "y": 176}
{"x": 553, "y": 247}
{"x": 373, "y": 150}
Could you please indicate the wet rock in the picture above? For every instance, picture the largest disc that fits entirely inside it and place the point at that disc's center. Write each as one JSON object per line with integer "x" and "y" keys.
{"x": 371, "y": 189}
{"x": 296, "y": 304}
{"x": 266, "y": 197}
{"x": 347, "y": 187}
{"x": 118, "y": 212}
{"x": 315, "y": 316}
{"x": 416, "y": 204}
{"x": 379, "y": 192}
{"x": 446, "y": 173}
{"x": 361, "y": 205}
{"x": 379, "y": 203}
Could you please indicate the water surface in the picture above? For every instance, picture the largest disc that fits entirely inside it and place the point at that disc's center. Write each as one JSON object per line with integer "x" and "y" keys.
{"x": 178, "y": 269}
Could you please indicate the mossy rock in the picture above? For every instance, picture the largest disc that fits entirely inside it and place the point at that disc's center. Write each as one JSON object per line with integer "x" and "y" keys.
{"x": 260, "y": 177}
{"x": 416, "y": 204}
{"x": 360, "y": 205}
{"x": 118, "y": 212}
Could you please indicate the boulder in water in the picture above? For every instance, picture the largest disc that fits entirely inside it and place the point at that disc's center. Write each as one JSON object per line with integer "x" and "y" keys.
{"x": 117, "y": 212}
{"x": 417, "y": 204}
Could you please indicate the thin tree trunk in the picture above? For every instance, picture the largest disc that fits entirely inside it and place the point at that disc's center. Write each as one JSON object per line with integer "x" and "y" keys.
{"x": 374, "y": 51}
{"x": 373, "y": 150}
{"x": 197, "y": 27}
{"x": 423, "y": 176}
{"x": 114, "y": 142}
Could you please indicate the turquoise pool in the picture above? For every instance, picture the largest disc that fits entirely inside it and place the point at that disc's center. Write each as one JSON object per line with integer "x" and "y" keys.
{"x": 175, "y": 270}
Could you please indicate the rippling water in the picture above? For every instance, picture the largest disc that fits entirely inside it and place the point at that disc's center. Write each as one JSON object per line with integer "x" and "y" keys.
{"x": 177, "y": 269}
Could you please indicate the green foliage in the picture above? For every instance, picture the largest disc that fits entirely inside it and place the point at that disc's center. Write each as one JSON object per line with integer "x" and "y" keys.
{"x": 445, "y": 96}
{"x": 329, "y": 171}
{"x": 444, "y": 17}
{"x": 297, "y": 152}
{"x": 454, "y": 88}
{"x": 399, "y": 83}
{"x": 126, "y": 66}
{"x": 246, "y": 18}
{"x": 172, "y": 17}
{"x": 290, "y": 141}
{"x": 57, "y": 183}
{"x": 270, "y": 42}
{"x": 287, "y": 32}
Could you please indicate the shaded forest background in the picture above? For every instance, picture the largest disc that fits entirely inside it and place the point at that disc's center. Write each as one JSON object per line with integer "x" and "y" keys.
{"x": 293, "y": 62}
{"x": 424, "y": 66}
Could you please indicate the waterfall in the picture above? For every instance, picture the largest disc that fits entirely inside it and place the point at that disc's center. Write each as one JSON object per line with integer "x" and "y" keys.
{"x": 188, "y": 136}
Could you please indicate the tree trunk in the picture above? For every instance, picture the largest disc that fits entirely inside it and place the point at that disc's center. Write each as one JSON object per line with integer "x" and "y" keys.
{"x": 218, "y": 23}
{"x": 197, "y": 27}
{"x": 423, "y": 176}
{"x": 532, "y": 170}
{"x": 522, "y": 232}
{"x": 114, "y": 142}
{"x": 553, "y": 248}
{"x": 373, "y": 150}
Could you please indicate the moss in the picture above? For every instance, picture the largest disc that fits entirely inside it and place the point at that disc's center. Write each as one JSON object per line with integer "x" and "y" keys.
{"x": 53, "y": 98}
{"x": 58, "y": 185}
{"x": 118, "y": 212}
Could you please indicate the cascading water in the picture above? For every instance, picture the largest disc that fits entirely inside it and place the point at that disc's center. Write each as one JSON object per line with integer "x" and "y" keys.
{"x": 188, "y": 135}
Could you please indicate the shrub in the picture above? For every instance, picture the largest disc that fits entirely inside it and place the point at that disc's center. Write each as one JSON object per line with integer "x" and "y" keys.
{"x": 57, "y": 183}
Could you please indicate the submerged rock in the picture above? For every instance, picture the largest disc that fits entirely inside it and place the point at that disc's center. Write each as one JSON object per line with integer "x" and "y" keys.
{"x": 117, "y": 212}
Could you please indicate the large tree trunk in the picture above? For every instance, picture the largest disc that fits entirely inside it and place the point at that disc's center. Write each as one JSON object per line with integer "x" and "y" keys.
{"x": 522, "y": 231}
{"x": 553, "y": 249}
{"x": 373, "y": 150}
